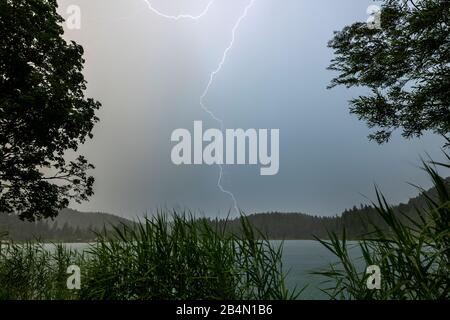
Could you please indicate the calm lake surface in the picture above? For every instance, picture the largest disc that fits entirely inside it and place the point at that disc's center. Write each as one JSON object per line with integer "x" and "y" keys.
{"x": 300, "y": 258}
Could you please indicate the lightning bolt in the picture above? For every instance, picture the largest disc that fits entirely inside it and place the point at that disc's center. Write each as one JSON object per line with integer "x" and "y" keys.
{"x": 180, "y": 16}
{"x": 208, "y": 86}
{"x": 213, "y": 74}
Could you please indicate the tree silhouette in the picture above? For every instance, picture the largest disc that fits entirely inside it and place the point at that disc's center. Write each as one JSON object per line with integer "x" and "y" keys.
{"x": 405, "y": 64}
{"x": 43, "y": 112}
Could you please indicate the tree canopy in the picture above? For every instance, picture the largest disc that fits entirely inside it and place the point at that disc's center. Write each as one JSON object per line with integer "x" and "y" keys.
{"x": 406, "y": 65}
{"x": 43, "y": 112}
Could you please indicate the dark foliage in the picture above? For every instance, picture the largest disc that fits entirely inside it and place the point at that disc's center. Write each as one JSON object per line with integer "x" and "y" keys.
{"x": 43, "y": 112}
{"x": 405, "y": 64}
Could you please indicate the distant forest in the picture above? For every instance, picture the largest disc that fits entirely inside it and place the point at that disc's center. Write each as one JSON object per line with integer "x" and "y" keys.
{"x": 75, "y": 226}
{"x": 14, "y": 229}
{"x": 69, "y": 226}
{"x": 358, "y": 221}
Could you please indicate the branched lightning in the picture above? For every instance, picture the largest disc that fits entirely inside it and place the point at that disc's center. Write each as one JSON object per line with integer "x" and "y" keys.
{"x": 213, "y": 74}
{"x": 205, "y": 93}
{"x": 180, "y": 16}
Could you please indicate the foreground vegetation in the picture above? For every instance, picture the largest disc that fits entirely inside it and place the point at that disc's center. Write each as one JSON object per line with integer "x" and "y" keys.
{"x": 414, "y": 257}
{"x": 174, "y": 257}
{"x": 180, "y": 257}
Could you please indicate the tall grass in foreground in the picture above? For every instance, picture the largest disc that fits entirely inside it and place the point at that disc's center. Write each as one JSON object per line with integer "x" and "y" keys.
{"x": 414, "y": 257}
{"x": 31, "y": 271}
{"x": 165, "y": 257}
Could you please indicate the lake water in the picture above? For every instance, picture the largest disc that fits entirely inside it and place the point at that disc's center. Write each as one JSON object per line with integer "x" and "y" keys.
{"x": 300, "y": 258}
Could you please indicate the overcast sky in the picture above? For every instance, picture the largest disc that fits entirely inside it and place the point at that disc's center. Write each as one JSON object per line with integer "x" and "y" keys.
{"x": 149, "y": 73}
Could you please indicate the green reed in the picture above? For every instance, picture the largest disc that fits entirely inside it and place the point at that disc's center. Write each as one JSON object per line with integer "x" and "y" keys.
{"x": 164, "y": 257}
{"x": 32, "y": 271}
{"x": 413, "y": 254}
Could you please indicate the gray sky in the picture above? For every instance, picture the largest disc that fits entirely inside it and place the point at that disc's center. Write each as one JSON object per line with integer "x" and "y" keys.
{"x": 149, "y": 73}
